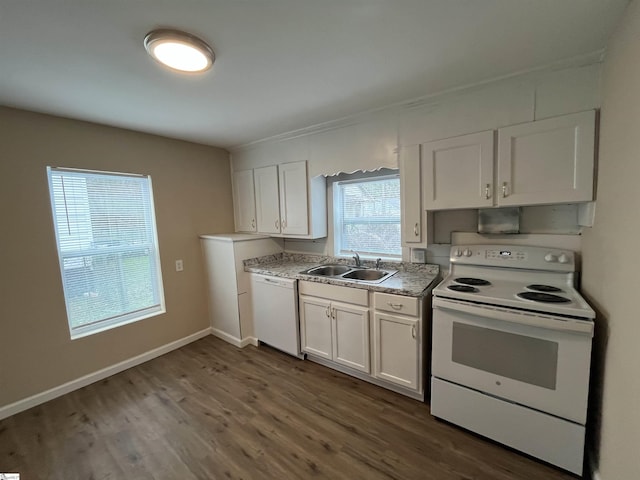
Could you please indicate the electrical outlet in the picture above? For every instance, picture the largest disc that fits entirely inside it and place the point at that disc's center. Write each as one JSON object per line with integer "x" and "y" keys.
{"x": 418, "y": 255}
{"x": 179, "y": 266}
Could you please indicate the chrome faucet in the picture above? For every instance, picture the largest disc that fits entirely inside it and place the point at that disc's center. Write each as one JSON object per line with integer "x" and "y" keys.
{"x": 378, "y": 263}
{"x": 356, "y": 257}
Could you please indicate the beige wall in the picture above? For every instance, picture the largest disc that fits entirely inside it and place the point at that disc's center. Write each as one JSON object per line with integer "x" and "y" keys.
{"x": 192, "y": 196}
{"x": 611, "y": 265}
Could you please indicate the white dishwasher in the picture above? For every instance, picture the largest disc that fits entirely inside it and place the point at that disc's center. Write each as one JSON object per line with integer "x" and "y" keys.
{"x": 275, "y": 312}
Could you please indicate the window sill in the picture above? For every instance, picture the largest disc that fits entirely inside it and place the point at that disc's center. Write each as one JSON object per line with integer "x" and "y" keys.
{"x": 82, "y": 332}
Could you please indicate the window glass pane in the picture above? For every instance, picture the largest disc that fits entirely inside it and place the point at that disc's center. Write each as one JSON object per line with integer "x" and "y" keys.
{"x": 369, "y": 216}
{"x": 107, "y": 247}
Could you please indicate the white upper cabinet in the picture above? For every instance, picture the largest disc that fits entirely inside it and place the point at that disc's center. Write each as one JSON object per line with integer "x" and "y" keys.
{"x": 409, "y": 163}
{"x": 547, "y": 161}
{"x": 294, "y": 211}
{"x": 244, "y": 205}
{"x": 542, "y": 162}
{"x": 458, "y": 172}
{"x": 287, "y": 202}
{"x": 267, "y": 199}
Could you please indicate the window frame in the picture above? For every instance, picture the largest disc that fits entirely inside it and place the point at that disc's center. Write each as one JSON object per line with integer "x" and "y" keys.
{"x": 131, "y": 316}
{"x": 337, "y": 223}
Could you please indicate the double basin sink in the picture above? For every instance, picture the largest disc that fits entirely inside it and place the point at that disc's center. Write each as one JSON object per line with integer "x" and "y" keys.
{"x": 354, "y": 274}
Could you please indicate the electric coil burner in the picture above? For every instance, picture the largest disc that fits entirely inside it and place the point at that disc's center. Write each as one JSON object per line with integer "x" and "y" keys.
{"x": 472, "y": 281}
{"x": 543, "y": 288}
{"x": 463, "y": 288}
{"x": 511, "y": 350}
{"x": 543, "y": 297}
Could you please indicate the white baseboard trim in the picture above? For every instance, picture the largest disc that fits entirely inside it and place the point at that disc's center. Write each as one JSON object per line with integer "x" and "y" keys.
{"x": 240, "y": 343}
{"x": 596, "y": 475}
{"x": 78, "y": 383}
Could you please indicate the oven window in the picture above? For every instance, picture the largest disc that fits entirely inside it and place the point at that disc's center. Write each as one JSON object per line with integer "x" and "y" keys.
{"x": 527, "y": 359}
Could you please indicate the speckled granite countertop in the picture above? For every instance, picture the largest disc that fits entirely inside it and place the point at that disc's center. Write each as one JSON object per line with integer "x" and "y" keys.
{"x": 411, "y": 279}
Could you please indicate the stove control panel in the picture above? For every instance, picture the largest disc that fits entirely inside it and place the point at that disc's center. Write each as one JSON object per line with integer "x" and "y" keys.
{"x": 514, "y": 256}
{"x": 506, "y": 254}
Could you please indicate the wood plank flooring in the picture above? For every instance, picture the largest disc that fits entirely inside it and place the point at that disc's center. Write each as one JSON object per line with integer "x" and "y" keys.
{"x": 212, "y": 411}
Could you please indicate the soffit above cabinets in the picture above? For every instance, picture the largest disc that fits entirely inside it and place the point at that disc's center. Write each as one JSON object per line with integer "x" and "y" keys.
{"x": 280, "y": 65}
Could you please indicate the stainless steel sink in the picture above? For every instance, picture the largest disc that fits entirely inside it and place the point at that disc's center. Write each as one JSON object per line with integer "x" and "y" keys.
{"x": 350, "y": 274}
{"x": 328, "y": 270}
{"x": 368, "y": 275}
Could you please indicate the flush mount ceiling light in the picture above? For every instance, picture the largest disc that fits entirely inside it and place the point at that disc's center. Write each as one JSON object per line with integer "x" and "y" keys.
{"x": 179, "y": 51}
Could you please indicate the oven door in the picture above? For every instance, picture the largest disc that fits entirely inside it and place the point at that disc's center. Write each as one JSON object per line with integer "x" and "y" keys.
{"x": 513, "y": 356}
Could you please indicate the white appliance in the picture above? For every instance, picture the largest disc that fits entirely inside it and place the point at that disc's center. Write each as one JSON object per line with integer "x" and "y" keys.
{"x": 230, "y": 308}
{"x": 275, "y": 312}
{"x": 512, "y": 349}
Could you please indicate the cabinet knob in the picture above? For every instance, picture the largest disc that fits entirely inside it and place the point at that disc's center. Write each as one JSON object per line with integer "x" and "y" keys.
{"x": 416, "y": 229}
{"x": 413, "y": 331}
{"x": 487, "y": 191}
{"x": 253, "y": 223}
{"x": 504, "y": 189}
{"x": 328, "y": 311}
{"x": 277, "y": 224}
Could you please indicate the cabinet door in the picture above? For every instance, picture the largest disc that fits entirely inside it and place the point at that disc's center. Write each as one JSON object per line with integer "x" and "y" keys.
{"x": 458, "y": 172}
{"x": 244, "y": 201}
{"x": 267, "y": 204}
{"x": 396, "y": 350}
{"x": 548, "y": 161}
{"x": 351, "y": 336}
{"x": 409, "y": 162}
{"x": 294, "y": 213}
{"x": 315, "y": 326}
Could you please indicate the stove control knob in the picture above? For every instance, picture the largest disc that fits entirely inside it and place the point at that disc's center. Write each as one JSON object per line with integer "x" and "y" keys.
{"x": 467, "y": 252}
{"x": 550, "y": 257}
{"x": 458, "y": 253}
{"x": 563, "y": 258}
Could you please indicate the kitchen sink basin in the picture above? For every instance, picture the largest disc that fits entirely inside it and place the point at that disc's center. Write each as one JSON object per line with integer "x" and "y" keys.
{"x": 368, "y": 275}
{"x": 328, "y": 270}
{"x": 350, "y": 274}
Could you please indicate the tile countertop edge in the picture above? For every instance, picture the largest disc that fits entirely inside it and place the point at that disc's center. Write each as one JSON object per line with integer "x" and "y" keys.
{"x": 410, "y": 280}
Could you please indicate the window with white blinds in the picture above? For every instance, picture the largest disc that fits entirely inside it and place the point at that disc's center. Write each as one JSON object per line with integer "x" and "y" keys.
{"x": 107, "y": 246}
{"x": 367, "y": 216}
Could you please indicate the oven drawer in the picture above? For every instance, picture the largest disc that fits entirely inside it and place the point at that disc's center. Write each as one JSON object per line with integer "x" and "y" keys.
{"x": 388, "y": 302}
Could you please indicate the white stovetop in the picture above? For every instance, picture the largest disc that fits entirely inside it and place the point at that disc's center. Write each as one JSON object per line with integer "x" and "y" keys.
{"x": 506, "y": 284}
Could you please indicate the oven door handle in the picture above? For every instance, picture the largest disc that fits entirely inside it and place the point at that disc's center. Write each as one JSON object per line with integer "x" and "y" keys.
{"x": 531, "y": 319}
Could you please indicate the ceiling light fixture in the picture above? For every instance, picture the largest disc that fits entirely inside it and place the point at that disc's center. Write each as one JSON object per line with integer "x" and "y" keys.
{"x": 179, "y": 51}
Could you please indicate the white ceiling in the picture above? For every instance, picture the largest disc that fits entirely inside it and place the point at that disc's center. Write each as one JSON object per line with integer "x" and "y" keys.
{"x": 281, "y": 64}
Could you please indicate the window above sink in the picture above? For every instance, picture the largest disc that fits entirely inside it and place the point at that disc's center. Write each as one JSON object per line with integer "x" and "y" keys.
{"x": 366, "y": 214}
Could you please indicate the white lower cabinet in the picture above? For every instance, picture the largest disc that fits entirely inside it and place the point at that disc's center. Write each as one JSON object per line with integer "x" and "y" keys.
{"x": 315, "y": 326}
{"x": 374, "y": 336}
{"x": 396, "y": 349}
{"x": 350, "y": 329}
{"x": 335, "y": 331}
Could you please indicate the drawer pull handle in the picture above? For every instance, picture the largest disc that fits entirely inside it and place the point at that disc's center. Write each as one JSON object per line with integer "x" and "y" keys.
{"x": 328, "y": 311}
{"x": 395, "y": 306}
{"x": 253, "y": 223}
{"x": 277, "y": 224}
{"x": 416, "y": 231}
{"x": 504, "y": 189}
{"x": 487, "y": 193}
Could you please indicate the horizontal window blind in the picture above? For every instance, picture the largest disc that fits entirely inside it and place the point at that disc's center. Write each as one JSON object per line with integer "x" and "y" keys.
{"x": 368, "y": 216}
{"x": 107, "y": 246}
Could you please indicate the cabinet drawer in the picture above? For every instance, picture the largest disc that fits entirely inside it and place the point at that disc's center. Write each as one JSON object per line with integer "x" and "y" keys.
{"x": 396, "y": 303}
{"x": 356, "y": 296}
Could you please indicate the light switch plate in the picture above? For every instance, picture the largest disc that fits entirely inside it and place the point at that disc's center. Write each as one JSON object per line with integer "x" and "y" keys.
{"x": 179, "y": 266}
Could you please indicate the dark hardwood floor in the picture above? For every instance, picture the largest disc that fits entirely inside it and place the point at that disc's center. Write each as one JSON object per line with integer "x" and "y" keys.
{"x": 210, "y": 410}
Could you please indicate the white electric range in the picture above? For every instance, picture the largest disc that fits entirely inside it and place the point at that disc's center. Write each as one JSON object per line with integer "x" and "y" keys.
{"x": 511, "y": 349}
